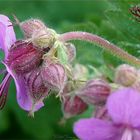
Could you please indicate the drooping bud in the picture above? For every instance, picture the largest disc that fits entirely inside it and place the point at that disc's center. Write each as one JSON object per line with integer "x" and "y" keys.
{"x": 95, "y": 92}
{"x": 125, "y": 75}
{"x": 54, "y": 75}
{"x": 80, "y": 72}
{"x": 44, "y": 38}
{"x": 71, "y": 51}
{"x": 73, "y": 106}
{"x": 37, "y": 89}
{"x": 23, "y": 57}
{"x": 30, "y": 26}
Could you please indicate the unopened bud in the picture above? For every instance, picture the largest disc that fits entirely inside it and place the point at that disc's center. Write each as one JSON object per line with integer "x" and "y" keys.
{"x": 95, "y": 92}
{"x": 30, "y": 26}
{"x": 80, "y": 72}
{"x": 73, "y": 106}
{"x": 23, "y": 57}
{"x": 37, "y": 89}
{"x": 44, "y": 38}
{"x": 54, "y": 75}
{"x": 125, "y": 75}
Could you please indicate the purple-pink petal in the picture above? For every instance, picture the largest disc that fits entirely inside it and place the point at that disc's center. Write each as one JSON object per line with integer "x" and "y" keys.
{"x": 95, "y": 129}
{"x": 136, "y": 135}
{"x": 2, "y": 36}
{"x": 124, "y": 107}
{"x": 7, "y": 34}
{"x": 23, "y": 95}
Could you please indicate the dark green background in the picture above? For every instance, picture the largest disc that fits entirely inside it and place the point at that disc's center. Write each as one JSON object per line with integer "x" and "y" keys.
{"x": 110, "y": 19}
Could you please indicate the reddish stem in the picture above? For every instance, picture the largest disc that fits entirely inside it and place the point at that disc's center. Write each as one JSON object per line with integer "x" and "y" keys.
{"x": 106, "y": 45}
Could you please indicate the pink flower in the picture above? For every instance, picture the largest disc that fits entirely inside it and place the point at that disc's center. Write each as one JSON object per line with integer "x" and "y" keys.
{"x": 25, "y": 101}
{"x": 124, "y": 110}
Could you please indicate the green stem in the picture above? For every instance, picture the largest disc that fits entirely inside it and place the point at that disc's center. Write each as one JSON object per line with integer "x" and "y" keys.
{"x": 106, "y": 45}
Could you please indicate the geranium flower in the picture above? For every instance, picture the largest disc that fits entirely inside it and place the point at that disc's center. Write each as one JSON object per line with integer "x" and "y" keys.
{"x": 7, "y": 39}
{"x": 124, "y": 110}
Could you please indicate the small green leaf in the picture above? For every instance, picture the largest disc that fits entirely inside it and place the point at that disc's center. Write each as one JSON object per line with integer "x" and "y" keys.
{"x": 61, "y": 52}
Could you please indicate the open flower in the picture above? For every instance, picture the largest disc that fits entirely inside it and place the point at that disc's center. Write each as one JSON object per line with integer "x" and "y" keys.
{"x": 124, "y": 109}
{"x": 7, "y": 39}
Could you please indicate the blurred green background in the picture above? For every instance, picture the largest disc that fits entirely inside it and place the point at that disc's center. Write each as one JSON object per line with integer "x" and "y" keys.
{"x": 110, "y": 19}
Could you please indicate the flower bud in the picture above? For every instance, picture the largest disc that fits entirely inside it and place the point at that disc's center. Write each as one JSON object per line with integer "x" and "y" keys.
{"x": 80, "y": 72}
{"x": 30, "y": 26}
{"x": 71, "y": 51}
{"x": 136, "y": 84}
{"x": 73, "y": 106}
{"x": 53, "y": 75}
{"x": 23, "y": 57}
{"x": 125, "y": 75}
{"x": 37, "y": 90}
{"x": 95, "y": 92}
{"x": 44, "y": 38}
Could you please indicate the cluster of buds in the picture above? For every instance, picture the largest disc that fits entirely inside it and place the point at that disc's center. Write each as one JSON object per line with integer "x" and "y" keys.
{"x": 46, "y": 64}
{"x": 38, "y": 59}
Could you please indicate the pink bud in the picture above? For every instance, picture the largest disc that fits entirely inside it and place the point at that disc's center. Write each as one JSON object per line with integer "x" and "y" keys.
{"x": 44, "y": 38}
{"x": 30, "y": 26}
{"x": 37, "y": 89}
{"x": 73, "y": 106}
{"x": 53, "y": 75}
{"x": 125, "y": 75}
{"x": 136, "y": 84}
{"x": 23, "y": 57}
{"x": 80, "y": 72}
{"x": 95, "y": 92}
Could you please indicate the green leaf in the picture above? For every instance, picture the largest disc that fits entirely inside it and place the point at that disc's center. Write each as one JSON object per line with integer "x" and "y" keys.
{"x": 4, "y": 124}
{"x": 131, "y": 48}
{"x": 128, "y": 28}
{"x": 61, "y": 52}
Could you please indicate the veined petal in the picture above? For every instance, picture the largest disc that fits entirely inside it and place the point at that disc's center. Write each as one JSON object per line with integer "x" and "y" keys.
{"x": 136, "y": 135}
{"x": 2, "y": 36}
{"x": 95, "y": 129}
{"x": 124, "y": 107}
{"x": 23, "y": 95}
{"x": 7, "y": 34}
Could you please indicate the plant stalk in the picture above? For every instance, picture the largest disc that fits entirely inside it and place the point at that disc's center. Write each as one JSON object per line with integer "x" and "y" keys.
{"x": 104, "y": 44}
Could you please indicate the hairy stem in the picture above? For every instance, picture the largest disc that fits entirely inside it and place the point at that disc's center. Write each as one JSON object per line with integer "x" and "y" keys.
{"x": 106, "y": 45}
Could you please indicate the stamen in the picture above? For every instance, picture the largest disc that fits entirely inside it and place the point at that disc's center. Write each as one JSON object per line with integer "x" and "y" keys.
{"x": 4, "y": 89}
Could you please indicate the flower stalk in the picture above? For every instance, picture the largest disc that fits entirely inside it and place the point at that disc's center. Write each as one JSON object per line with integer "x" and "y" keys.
{"x": 104, "y": 44}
